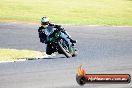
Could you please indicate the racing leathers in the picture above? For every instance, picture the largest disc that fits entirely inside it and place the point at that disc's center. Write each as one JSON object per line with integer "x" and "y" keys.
{"x": 43, "y": 36}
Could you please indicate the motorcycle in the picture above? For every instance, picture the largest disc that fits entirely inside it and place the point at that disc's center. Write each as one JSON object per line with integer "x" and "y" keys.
{"x": 59, "y": 44}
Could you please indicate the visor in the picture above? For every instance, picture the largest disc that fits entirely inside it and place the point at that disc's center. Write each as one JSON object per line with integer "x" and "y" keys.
{"x": 44, "y": 23}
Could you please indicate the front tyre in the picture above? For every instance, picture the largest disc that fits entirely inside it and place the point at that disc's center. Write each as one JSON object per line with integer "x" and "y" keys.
{"x": 64, "y": 50}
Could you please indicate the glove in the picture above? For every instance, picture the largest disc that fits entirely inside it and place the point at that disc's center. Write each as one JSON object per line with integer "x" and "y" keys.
{"x": 57, "y": 26}
{"x": 43, "y": 41}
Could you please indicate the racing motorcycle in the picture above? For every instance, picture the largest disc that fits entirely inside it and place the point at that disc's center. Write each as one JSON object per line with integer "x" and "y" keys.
{"x": 59, "y": 44}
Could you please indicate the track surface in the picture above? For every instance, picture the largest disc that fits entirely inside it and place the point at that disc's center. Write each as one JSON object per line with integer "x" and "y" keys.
{"x": 101, "y": 50}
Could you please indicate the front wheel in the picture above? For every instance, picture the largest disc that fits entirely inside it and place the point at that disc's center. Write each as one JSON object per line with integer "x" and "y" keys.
{"x": 64, "y": 50}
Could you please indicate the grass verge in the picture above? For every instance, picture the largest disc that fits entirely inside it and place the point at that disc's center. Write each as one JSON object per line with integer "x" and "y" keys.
{"x": 14, "y": 54}
{"x": 93, "y": 12}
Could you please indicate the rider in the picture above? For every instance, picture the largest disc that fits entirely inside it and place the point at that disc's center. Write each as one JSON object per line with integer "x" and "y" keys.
{"x": 45, "y": 24}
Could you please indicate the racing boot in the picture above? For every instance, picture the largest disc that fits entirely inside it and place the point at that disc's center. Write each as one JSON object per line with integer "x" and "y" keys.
{"x": 72, "y": 41}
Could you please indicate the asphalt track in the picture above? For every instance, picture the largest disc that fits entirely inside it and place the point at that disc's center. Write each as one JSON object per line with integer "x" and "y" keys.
{"x": 102, "y": 50}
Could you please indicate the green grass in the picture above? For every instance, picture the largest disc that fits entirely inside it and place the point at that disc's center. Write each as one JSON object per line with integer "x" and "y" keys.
{"x": 93, "y": 12}
{"x": 13, "y": 54}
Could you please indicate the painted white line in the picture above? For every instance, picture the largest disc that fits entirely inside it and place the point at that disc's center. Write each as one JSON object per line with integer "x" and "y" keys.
{"x": 93, "y": 25}
{"x": 20, "y": 60}
{"x": 45, "y": 56}
{"x": 5, "y": 61}
{"x": 12, "y": 61}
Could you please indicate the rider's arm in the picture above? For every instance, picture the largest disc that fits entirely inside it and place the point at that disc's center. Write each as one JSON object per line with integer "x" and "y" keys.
{"x": 42, "y": 35}
{"x": 59, "y": 27}
{"x": 40, "y": 29}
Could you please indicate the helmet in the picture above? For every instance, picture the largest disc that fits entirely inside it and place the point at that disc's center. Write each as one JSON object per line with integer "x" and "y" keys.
{"x": 44, "y": 21}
